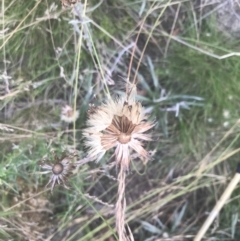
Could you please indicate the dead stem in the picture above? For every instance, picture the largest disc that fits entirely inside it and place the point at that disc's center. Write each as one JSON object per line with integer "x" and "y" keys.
{"x": 121, "y": 205}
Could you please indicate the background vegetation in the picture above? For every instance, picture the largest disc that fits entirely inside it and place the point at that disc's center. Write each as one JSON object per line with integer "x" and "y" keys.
{"x": 188, "y": 81}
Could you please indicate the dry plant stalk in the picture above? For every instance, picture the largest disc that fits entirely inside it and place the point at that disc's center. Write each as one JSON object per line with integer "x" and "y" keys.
{"x": 118, "y": 124}
{"x": 121, "y": 205}
{"x": 225, "y": 196}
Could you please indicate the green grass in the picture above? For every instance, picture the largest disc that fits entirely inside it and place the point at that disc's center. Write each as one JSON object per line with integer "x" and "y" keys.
{"x": 44, "y": 55}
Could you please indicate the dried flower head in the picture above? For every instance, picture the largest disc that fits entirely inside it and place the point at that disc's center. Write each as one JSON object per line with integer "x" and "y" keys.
{"x": 60, "y": 170}
{"x": 69, "y": 3}
{"x": 69, "y": 114}
{"x": 118, "y": 124}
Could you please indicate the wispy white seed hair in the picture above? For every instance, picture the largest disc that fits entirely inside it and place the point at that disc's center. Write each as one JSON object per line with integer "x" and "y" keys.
{"x": 118, "y": 124}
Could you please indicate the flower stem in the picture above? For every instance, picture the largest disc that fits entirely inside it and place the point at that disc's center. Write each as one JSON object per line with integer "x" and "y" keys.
{"x": 121, "y": 205}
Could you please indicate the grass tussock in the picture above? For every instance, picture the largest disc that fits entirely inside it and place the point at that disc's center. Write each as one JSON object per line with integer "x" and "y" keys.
{"x": 63, "y": 62}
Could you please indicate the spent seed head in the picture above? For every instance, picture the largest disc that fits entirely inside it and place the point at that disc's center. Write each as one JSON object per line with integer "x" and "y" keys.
{"x": 60, "y": 171}
{"x": 68, "y": 114}
{"x": 119, "y": 124}
{"x": 57, "y": 168}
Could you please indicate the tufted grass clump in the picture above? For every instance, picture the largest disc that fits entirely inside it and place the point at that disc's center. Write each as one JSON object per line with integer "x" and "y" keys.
{"x": 60, "y": 62}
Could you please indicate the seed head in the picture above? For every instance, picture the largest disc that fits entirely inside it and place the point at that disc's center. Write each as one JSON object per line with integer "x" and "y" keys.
{"x": 118, "y": 124}
{"x": 68, "y": 114}
{"x": 68, "y": 3}
{"x": 59, "y": 172}
{"x": 57, "y": 168}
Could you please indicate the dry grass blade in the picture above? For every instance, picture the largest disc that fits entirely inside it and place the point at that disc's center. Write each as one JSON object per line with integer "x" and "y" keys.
{"x": 225, "y": 196}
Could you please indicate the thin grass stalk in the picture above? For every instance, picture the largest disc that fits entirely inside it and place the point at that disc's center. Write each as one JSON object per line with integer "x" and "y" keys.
{"x": 77, "y": 64}
{"x": 135, "y": 46}
{"x": 85, "y": 30}
{"x": 225, "y": 196}
{"x": 19, "y": 25}
{"x": 146, "y": 43}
